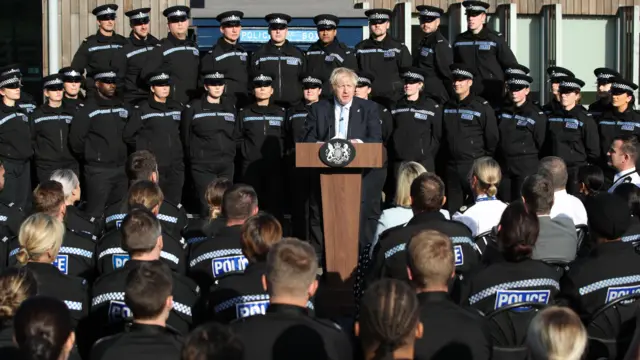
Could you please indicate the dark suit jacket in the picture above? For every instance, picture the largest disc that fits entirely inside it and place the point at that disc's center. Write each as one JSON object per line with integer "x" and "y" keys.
{"x": 364, "y": 121}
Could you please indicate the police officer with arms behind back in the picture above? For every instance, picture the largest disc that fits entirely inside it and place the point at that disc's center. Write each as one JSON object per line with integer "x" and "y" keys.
{"x": 383, "y": 56}
{"x": 328, "y": 53}
{"x": 281, "y": 59}
{"x": 178, "y": 55}
{"x": 97, "y": 51}
{"x": 485, "y": 51}
{"x": 435, "y": 55}
{"x": 229, "y": 58}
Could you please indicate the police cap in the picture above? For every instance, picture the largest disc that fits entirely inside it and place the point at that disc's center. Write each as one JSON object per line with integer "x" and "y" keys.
{"x": 570, "y": 84}
{"x": 10, "y": 81}
{"x": 70, "y": 74}
{"x": 213, "y": 78}
{"x": 517, "y": 69}
{"x": 159, "y": 78}
{"x": 412, "y": 75}
{"x": 429, "y": 13}
{"x": 261, "y": 79}
{"x": 378, "y": 16}
{"x": 557, "y": 72}
{"x": 139, "y": 16}
{"x": 106, "y": 75}
{"x": 517, "y": 82}
{"x": 326, "y": 22}
{"x": 365, "y": 79}
{"x": 277, "y": 20}
{"x": 461, "y": 72}
{"x": 621, "y": 86}
{"x": 230, "y": 18}
{"x": 53, "y": 82}
{"x": 311, "y": 81}
{"x": 11, "y": 69}
{"x": 475, "y": 8}
{"x": 605, "y": 75}
{"x": 177, "y": 13}
{"x": 105, "y": 12}
{"x": 608, "y": 215}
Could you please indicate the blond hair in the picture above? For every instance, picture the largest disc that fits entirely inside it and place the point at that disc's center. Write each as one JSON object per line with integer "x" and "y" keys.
{"x": 557, "y": 333}
{"x": 39, "y": 233}
{"x": 292, "y": 267}
{"x": 488, "y": 173}
{"x": 16, "y": 285}
{"x": 339, "y": 72}
{"x": 407, "y": 172}
{"x": 431, "y": 258}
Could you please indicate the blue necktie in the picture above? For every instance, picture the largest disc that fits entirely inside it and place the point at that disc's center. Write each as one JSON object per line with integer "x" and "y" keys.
{"x": 342, "y": 123}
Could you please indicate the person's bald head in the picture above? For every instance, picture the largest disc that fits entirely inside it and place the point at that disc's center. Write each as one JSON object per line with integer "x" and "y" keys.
{"x": 555, "y": 169}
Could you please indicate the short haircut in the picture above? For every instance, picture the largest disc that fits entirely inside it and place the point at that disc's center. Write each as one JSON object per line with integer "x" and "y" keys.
{"x": 629, "y": 145}
{"x": 292, "y": 267}
{"x": 431, "y": 259}
{"x": 38, "y": 234}
{"x": 147, "y": 288}
{"x": 141, "y": 165}
{"x": 213, "y": 341}
{"x": 538, "y": 194}
{"x": 239, "y": 202}
{"x": 140, "y": 231}
{"x": 519, "y": 229}
{"x": 67, "y": 178}
{"x": 487, "y": 172}
{"x": 144, "y": 193}
{"x": 214, "y": 194}
{"x": 259, "y": 234}
{"x": 556, "y": 170}
{"x": 427, "y": 192}
{"x": 557, "y": 333}
{"x": 342, "y": 71}
{"x": 631, "y": 193}
{"x": 407, "y": 172}
{"x": 48, "y": 197}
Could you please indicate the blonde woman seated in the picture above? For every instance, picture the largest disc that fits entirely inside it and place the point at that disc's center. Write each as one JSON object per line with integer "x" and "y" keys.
{"x": 401, "y": 213}
{"x": 556, "y": 333}
{"x": 484, "y": 179}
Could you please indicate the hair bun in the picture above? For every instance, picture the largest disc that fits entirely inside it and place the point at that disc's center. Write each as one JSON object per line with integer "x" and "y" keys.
{"x": 22, "y": 256}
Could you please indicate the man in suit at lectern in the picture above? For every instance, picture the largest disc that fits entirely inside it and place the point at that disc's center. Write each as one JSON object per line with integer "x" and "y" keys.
{"x": 345, "y": 117}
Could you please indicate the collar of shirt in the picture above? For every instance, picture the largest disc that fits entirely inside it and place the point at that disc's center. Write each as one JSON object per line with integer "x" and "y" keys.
{"x": 560, "y": 192}
{"x": 340, "y": 106}
{"x": 622, "y": 174}
{"x": 485, "y": 197}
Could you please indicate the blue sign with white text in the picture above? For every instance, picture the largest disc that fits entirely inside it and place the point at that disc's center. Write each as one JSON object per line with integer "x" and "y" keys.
{"x": 618, "y": 292}
{"x": 293, "y": 35}
{"x": 228, "y": 264}
{"x": 508, "y": 297}
{"x": 251, "y": 308}
{"x": 62, "y": 263}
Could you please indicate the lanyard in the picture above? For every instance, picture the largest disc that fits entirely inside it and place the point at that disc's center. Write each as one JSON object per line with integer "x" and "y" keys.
{"x": 485, "y": 198}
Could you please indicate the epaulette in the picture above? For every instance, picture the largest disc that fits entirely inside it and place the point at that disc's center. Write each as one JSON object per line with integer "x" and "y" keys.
{"x": 385, "y": 110}
{"x": 627, "y": 179}
{"x": 329, "y": 324}
{"x": 485, "y": 102}
{"x": 437, "y": 106}
{"x": 463, "y": 209}
{"x": 5, "y": 239}
{"x": 188, "y": 105}
{"x": 136, "y": 106}
{"x": 441, "y": 40}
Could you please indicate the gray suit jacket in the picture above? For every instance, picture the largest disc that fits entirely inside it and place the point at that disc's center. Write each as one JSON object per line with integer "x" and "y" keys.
{"x": 557, "y": 241}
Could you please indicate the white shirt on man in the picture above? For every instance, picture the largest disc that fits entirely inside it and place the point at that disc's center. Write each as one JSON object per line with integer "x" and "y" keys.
{"x": 345, "y": 118}
{"x": 626, "y": 176}
{"x": 569, "y": 205}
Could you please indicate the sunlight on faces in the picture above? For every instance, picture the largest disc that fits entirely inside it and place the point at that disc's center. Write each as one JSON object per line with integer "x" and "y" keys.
{"x": 312, "y": 95}
{"x": 106, "y": 89}
{"x": 179, "y": 29}
{"x": 604, "y": 88}
{"x": 72, "y": 88}
{"x": 11, "y": 94}
{"x": 141, "y": 30}
{"x": 54, "y": 95}
{"x": 214, "y": 91}
{"x": 279, "y": 34}
{"x": 363, "y": 92}
{"x": 475, "y": 22}
{"x": 344, "y": 88}
{"x": 569, "y": 98}
{"x": 519, "y": 95}
{"x": 107, "y": 25}
{"x": 161, "y": 91}
{"x": 412, "y": 89}
{"x": 620, "y": 100}
{"x": 327, "y": 35}
{"x": 379, "y": 29}
{"x": 263, "y": 92}
{"x": 617, "y": 159}
{"x": 429, "y": 27}
{"x": 462, "y": 86}
{"x": 231, "y": 32}
{"x": 1, "y": 177}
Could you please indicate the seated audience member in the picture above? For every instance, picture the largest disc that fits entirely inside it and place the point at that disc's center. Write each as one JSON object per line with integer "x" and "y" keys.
{"x": 76, "y": 255}
{"x": 148, "y": 294}
{"x": 142, "y": 238}
{"x": 517, "y": 278}
{"x": 389, "y": 321}
{"x": 16, "y": 285}
{"x": 631, "y": 193}
{"x": 212, "y": 341}
{"x": 557, "y": 240}
{"x": 207, "y": 227}
{"x": 40, "y": 240}
{"x": 242, "y": 295}
{"x": 74, "y": 218}
{"x": 556, "y": 333}
{"x": 612, "y": 268}
{"x": 212, "y": 259}
{"x": 427, "y": 198}
{"x": 112, "y": 256}
{"x": 484, "y": 179}
{"x": 43, "y": 329}
{"x": 287, "y": 331}
{"x": 555, "y": 169}
{"x": 590, "y": 181}
{"x": 450, "y": 332}
{"x": 623, "y": 155}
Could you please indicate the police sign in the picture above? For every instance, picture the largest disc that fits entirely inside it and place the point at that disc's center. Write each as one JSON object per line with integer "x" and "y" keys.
{"x": 618, "y": 292}
{"x": 62, "y": 263}
{"x": 118, "y": 311}
{"x": 247, "y": 309}
{"x": 509, "y": 297}
{"x": 458, "y": 255}
{"x": 119, "y": 260}
{"x": 228, "y": 265}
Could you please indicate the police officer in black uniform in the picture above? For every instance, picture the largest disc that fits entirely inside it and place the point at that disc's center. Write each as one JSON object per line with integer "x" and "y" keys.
{"x": 178, "y": 55}
{"x": 522, "y": 126}
{"x": 72, "y": 79}
{"x": 383, "y": 56}
{"x": 434, "y": 55}
{"x": 97, "y": 51}
{"x": 75, "y": 219}
{"x": 282, "y": 60}
{"x": 262, "y": 132}
{"x": 50, "y": 131}
{"x": 134, "y": 54}
{"x": 207, "y": 129}
{"x": 26, "y": 102}
{"x": 484, "y": 51}
{"x": 11, "y": 215}
{"x": 15, "y": 147}
{"x": 605, "y": 78}
{"x": 229, "y": 58}
{"x": 155, "y": 126}
{"x": 328, "y": 52}
{"x": 142, "y": 236}
{"x": 555, "y": 74}
{"x": 471, "y": 132}
{"x": 96, "y": 137}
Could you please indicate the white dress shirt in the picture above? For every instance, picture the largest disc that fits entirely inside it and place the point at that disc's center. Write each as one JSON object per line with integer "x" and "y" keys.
{"x": 627, "y": 176}
{"x": 338, "y": 111}
{"x": 569, "y": 205}
{"x": 481, "y": 216}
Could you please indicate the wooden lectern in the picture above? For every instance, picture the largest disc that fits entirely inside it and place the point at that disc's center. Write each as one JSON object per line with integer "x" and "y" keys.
{"x": 341, "y": 199}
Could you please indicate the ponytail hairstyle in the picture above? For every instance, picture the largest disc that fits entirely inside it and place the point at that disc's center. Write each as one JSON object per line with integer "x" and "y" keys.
{"x": 214, "y": 194}
{"x": 16, "y": 285}
{"x": 38, "y": 234}
{"x": 42, "y": 326}
{"x": 389, "y": 316}
{"x": 592, "y": 178}
{"x": 488, "y": 174}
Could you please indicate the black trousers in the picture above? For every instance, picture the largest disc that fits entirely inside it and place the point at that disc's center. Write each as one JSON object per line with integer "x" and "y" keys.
{"x": 265, "y": 175}
{"x": 171, "y": 182}
{"x": 204, "y": 174}
{"x": 17, "y": 183}
{"x": 371, "y": 205}
{"x": 457, "y": 186}
{"x": 44, "y": 170}
{"x": 103, "y": 186}
{"x": 514, "y": 171}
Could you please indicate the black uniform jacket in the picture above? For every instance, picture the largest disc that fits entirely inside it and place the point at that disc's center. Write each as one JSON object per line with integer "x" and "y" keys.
{"x": 614, "y": 123}
{"x": 262, "y": 132}
{"x": 573, "y": 136}
{"x": 76, "y": 220}
{"x": 129, "y": 61}
{"x": 140, "y": 342}
{"x": 14, "y": 134}
{"x": 50, "y": 135}
{"x": 173, "y": 218}
{"x": 284, "y": 62}
{"x": 97, "y": 52}
{"x": 417, "y": 129}
{"x": 232, "y": 61}
{"x": 288, "y": 332}
{"x": 239, "y": 295}
{"x": 522, "y": 130}
{"x": 364, "y": 121}
{"x": 322, "y": 60}
{"x": 434, "y": 55}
